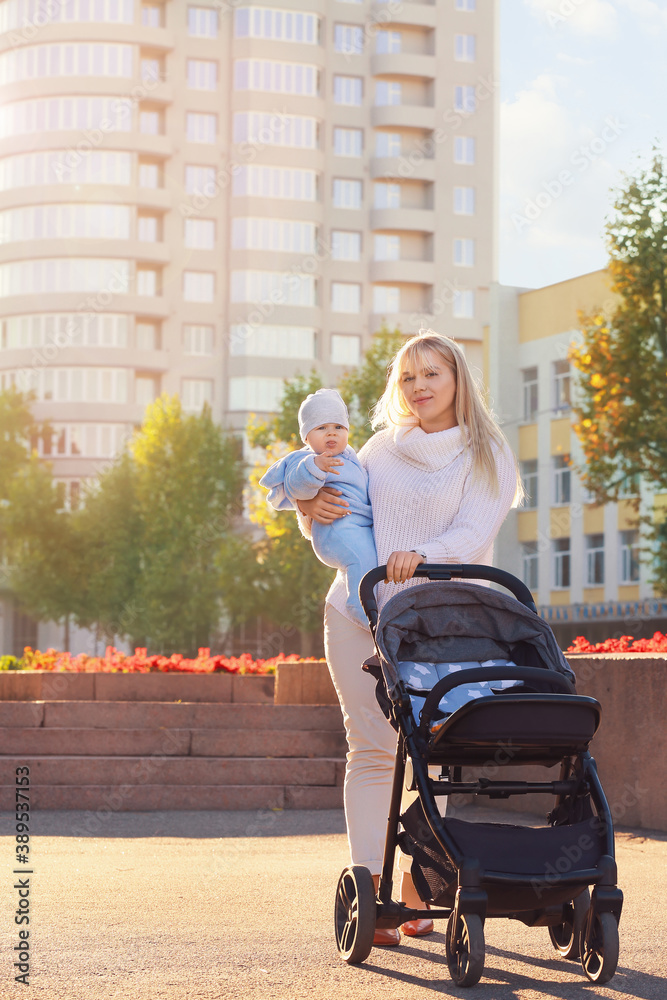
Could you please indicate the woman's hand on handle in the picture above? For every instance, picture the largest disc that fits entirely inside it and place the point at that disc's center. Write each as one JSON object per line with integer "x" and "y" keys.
{"x": 326, "y": 507}
{"x": 402, "y": 565}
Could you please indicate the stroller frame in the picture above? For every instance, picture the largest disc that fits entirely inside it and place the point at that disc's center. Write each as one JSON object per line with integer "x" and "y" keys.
{"x": 577, "y": 928}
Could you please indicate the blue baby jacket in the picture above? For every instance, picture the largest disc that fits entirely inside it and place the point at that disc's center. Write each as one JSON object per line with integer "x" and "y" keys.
{"x": 296, "y": 477}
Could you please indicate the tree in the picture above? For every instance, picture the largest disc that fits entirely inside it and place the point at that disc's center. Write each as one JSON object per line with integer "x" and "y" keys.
{"x": 362, "y": 387}
{"x": 622, "y": 360}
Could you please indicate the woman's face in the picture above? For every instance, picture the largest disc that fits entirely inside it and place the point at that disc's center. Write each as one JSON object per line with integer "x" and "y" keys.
{"x": 430, "y": 393}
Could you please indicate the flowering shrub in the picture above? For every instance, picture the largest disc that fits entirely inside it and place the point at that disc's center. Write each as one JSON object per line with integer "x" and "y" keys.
{"x": 140, "y": 662}
{"x": 626, "y": 644}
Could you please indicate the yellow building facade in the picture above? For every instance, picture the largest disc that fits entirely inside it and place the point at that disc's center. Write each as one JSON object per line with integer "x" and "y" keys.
{"x": 580, "y": 560}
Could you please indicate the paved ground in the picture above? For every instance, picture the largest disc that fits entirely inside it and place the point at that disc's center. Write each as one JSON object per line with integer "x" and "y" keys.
{"x": 202, "y": 905}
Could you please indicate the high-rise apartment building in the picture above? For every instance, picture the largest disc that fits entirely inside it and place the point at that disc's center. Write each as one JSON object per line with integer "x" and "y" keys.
{"x": 206, "y": 198}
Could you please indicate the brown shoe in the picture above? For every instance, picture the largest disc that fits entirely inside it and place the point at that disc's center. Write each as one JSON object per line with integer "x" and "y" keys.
{"x": 417, "y": 928}
{"x": 388, "y": 936}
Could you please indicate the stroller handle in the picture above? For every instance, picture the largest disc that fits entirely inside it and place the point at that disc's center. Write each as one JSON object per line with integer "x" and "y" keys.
{"x": 444, "y": 571}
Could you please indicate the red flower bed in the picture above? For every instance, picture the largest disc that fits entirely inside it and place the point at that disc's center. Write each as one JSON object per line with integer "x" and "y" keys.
{"x": 626, "y": 644}
{"x": 139, "y": 662}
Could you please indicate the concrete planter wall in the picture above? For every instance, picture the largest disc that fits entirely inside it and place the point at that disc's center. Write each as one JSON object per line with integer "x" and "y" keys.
{"x": 45, "y": 685}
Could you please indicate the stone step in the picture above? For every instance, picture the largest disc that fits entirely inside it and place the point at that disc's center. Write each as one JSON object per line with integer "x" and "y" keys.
{"x": 45, "y": 685}
{"x": 171, "y": 742}
{"x": 194, "y": 771}
{"x": 177, "y": 715}
{"x": 101, "y": 800}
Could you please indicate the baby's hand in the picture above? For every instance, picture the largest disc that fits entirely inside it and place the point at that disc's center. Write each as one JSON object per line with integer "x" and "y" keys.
{"x": 326, "y": 462}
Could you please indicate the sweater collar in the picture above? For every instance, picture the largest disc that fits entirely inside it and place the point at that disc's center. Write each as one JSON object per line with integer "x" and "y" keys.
{"x": 427, "y": 451}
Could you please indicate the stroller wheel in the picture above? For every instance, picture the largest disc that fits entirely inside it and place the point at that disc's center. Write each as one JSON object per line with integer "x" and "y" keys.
{"x": 464, "y": 946}
{"x": 599, "y": 948}
{"x": 354, "y": 918}
{"x": 566, "y": 937}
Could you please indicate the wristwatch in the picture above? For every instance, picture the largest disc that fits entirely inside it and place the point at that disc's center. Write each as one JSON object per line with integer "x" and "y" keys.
{"x": 420, "y": 553}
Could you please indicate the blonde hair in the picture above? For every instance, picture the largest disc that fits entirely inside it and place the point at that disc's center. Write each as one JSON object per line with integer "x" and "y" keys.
{"x": 481, "y": 431}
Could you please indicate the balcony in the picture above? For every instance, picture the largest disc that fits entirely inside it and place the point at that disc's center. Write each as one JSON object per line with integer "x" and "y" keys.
{"x": 418, "y": 220}
{"x": 403, "y": 116}
{"x": 414, "y": 272}
{"x": 403, "y": 64}
{"x": 409, "y": 12}
{"x": 412, "y": 166}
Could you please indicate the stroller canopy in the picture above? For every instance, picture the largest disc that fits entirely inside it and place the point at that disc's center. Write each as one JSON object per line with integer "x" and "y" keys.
{"x": 445, "y": 621}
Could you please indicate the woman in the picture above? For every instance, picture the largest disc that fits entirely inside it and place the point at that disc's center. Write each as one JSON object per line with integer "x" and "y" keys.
{"x": 442, "y": 479}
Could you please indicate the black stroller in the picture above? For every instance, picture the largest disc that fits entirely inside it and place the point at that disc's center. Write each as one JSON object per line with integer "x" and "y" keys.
{"x": 470, "y": 871}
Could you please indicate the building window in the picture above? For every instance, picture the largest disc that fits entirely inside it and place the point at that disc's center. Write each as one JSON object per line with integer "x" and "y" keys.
{"x": 530, "y": 394}
{"x": 347, "y": 194}
{"x": 65, "y": 221}
{"x": 257, "y": 394}
{"x": 149, "y": 175}
{"x": 198, "y": 286}
{"x": 202, "y": 74}
{"x": 201, "y": 127}
{"x": 198, "y": 340}
{"x": 345, "y": 297}
{"x": 147, "y": 336}
{"x": 276, "y": 182}
{"x": 530, "y": 480}
{"x": 464, "y": 201}
{"x": 345, "y": 245}
{"x": 387, "y": 42}
{"x": 463, "y": 305}
{"x": 64, "y": 274}
{"x": 71, "y": 385}
{"x": 562, "y": 479}
{"x": 59, "y": 167}
{"x": 279, "y": 25}
{"x": 561, "y": 385}
{"x": 464, "y": 252}
{"x": 268, "y": 129}
{"x": 59, "y": 60}
{"x": 388, "y": 144}
{"x": 561, "y": 556}
{"x": 147, "y": 282}
{"x": 464, "y": 48}
{"x": 276, "y": 77}
{"x": 147, "y": 228}
{"x": 465, "y": 100}
{"x": 152, "y": 15}
{"x": 250, "y": 233}
{"x": 530, "y": 561}
{"x": 345, "y": 350}
{"x": 468, "y": 5}
{"x": 144, "y": 389}
{"x": 464, "y": 149}
{"x": 386, "y": 247}
{"x": 386, "y": 299}
{"x": 151, "y": 70}
{"x": 630, "y": 486}
{"x": 202, "y": 22}
{"x": 276, "y": 287}
{"x": 150, "y": 123}
{"x": 295, "y": 342}
{"x": 348, "y": 39}
{"x": 594, "y": 560}
{"x": 348, "y": 90}
{"x": 85, "y": 329}
{"x": 348, "y": 141}
{"x": 52, "y": 114}
{"x": 195, "y": 393}
{"x": 200, "y": 234}
{"x": 200, "y": 180}
{"x": 386, "y": 195}
{"x": 629, "y": 556}
{"x": 387, "y": 93}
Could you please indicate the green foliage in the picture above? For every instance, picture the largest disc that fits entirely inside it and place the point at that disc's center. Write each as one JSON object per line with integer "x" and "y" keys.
{"x": 10, "y": 663}
{"x": 362, "y": 387}
{"x": 622, "y": 360}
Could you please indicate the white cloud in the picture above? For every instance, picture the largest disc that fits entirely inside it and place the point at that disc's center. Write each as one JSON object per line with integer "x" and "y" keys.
{"x": 592, "y": 18}
{"x": 649, "y": 15}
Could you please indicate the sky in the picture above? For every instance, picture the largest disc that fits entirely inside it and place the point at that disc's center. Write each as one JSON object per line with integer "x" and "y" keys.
{"x": 583, "y": 100}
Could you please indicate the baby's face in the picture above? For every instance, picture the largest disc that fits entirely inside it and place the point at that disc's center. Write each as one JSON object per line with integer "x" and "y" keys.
{"x": 328, "y": 437}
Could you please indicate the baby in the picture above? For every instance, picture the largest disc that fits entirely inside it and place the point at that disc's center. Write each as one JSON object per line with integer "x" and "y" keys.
{"x": 347, "y": 543}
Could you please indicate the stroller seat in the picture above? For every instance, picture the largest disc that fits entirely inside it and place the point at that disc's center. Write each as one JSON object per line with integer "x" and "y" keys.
{"x": 420, "y": 677}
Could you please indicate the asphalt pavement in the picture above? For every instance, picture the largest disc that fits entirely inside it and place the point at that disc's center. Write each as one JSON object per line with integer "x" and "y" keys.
{"x": 219, "y": 906}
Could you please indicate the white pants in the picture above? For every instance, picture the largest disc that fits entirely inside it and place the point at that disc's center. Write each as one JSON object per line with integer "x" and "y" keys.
{"x": 370, "y": 738}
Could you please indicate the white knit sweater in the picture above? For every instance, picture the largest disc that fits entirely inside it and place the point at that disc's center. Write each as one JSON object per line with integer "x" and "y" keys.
{"x": 423, "y": 496}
